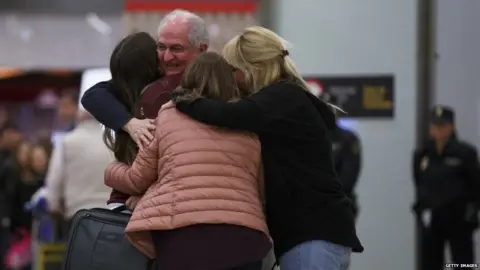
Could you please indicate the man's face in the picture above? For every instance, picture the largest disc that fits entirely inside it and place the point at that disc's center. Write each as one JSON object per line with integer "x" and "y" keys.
{"x": 441, "y": 131}
{"x": 11, "y": 138}
{"x": 67, "y": 109}
{"x": 174, "y": 50}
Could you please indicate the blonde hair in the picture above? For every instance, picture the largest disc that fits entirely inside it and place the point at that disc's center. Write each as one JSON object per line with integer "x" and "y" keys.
{"x": 262, "y": 57}
{"x": 209, "y": 75}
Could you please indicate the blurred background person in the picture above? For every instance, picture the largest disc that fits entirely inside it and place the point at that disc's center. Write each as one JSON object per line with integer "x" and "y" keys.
{"x": 4, "y": 114}
{"x": 68, "y": 107}
{"x": 30, "y": 179}
{"x": 26, "y": 180}
{"x": 25, "y": 177}
{"x": 75, "y": 178}
{"x": 347, "y": 156}
{"x": 10, "y": 139}
{"x": 447, "y": 182}
{"x": 13, "y": 169}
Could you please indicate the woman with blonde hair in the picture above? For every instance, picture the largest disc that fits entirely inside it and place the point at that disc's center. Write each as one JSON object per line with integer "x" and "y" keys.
{"x": 200, "y": 186}
{"x": 310, "y": 219}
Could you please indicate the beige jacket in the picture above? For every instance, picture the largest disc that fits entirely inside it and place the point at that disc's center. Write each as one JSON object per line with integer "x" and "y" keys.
{"x": 75, "y": 177}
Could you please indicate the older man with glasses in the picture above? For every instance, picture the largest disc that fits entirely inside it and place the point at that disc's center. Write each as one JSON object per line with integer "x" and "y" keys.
{"x": 182, "y": 36}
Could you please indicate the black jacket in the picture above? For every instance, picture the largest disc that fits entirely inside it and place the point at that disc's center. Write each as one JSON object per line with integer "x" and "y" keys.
{"x": 103, "y": 102}
{"x": 22, "y": 194}
{"x": 304, "y": 199}
{"x": 449, "y": 179}
{"x": 9, "y": 175}
{"x": 347, "y": 157}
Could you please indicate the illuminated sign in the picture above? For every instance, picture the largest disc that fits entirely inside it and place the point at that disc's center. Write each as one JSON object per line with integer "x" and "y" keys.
{"x": 359, "y": 96}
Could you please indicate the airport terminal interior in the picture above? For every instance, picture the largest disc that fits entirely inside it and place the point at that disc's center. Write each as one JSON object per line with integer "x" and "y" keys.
{"x": 402, "y": 73}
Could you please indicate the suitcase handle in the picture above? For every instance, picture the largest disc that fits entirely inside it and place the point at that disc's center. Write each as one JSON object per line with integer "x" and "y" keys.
{"x": 122, "y": 208}
{"x": 119, "y": 208}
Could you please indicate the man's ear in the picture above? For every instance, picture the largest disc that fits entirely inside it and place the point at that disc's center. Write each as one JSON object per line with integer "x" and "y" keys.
{"x": 203, "y": 48}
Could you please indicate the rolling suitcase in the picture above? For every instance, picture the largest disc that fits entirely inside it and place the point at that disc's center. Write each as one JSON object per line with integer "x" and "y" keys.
{"x": 97, "y": 242}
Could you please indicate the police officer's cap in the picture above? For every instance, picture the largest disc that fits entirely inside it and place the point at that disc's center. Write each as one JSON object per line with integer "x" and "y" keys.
{"x": 442, "y": 115}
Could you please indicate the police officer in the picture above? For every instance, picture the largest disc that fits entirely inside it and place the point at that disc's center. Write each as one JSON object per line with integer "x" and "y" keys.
{"x": 447, "y": 183}
{"x": 347, "y": 157}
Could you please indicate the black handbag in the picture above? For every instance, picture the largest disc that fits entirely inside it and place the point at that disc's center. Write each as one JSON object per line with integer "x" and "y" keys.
{"x": 97, "y": 242}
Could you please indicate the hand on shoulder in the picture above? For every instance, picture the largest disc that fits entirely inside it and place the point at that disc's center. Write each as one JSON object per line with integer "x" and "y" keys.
{"x": 141, "y": 131}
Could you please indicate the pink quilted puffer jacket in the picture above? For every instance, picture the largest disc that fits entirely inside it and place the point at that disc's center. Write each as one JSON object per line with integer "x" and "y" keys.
{"x": 190, "y": 174}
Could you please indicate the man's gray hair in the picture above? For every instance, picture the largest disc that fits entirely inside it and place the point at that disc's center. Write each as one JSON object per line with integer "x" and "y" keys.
{"x": 197, "y": 29}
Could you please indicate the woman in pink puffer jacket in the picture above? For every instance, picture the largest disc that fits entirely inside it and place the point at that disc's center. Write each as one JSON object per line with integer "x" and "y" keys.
{"x": 200, "y": 186}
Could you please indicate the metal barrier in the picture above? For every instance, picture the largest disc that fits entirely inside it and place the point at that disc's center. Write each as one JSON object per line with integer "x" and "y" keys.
{"x": 48, "y": 234}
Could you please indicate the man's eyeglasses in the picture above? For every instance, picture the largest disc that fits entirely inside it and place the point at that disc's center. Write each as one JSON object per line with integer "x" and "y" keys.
{"x": 175, "y": 49}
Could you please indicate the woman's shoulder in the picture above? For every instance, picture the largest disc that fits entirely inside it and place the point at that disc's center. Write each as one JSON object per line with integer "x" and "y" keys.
{"x": 167, "y": 112}
{"x": 285, "y": 88}
{"x": 235, "y": 135}
{"x": 170, "y": 116}
{"x": 284, "y": 84}
{"x": 282, "y": 94}
{"x": 167, "y": 106}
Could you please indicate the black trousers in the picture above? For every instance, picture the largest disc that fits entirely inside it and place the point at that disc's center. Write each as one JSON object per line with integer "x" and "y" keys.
{"x": 4, "y": 245}
{"x": 458, "y": 235}
{"x": 210, "y": 247}
{"x": 250, "y": 266}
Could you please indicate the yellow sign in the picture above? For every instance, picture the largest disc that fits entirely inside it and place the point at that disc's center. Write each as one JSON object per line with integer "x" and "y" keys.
{"x": 439, "y": 111}
{"x": 374, "y": 98}
{"x": 50, "y": 254}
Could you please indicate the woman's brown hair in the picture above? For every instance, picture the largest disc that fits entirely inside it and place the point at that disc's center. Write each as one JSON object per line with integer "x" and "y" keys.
{"x": 208, "y": 76}
{"x": 29, "y": 172}
{"x": 133, "y": 65}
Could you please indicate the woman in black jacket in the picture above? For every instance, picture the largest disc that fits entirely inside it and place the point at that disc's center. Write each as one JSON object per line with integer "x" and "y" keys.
{"x": 309, "y": 217}
{"x": 29, "y": 180}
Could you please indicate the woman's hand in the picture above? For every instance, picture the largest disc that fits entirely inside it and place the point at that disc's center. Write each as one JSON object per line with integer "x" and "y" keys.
{"x": 141, "y": 131}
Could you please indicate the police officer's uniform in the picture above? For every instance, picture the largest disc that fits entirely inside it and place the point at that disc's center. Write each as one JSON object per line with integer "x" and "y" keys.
{"x": 347, "y": 157}
{"x": 447, "y": 185}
